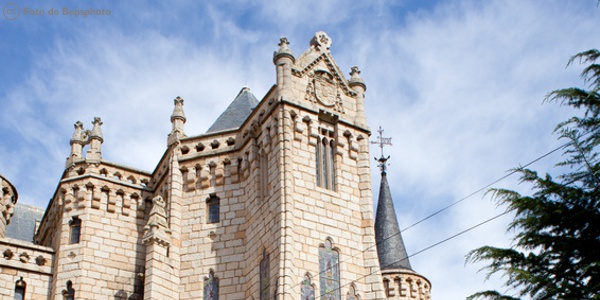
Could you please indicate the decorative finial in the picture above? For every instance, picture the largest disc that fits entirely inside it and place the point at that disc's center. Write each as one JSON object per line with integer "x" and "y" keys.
{"x": 283, "y": 43}
{"x": 178, "y": 110}
{"x": 382, "y": 142}
{"x": 78, "y": 135}
{"x": 355, "y": 78}
{"x": 96, "y": 130}
{"x": 321, "y": 39}
{"x": 284, "y": 50}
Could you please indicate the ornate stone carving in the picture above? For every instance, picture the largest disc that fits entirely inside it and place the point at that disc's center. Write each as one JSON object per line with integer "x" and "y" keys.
{"x": 321, "y": 40}
{"x": 96, "y": 130}
{"x": 24, "y": 257}
{"x": 40, "y": 260}
{"x": 8, "y": 254}
{"x": 156, "y": 230}
{"x": 324, "y": 89}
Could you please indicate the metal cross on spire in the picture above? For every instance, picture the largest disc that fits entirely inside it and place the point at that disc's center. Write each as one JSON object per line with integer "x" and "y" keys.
{"x": 382, "y": 141}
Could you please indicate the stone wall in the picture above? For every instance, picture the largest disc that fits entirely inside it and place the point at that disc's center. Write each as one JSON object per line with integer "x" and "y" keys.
{"x": 32, "y": 264}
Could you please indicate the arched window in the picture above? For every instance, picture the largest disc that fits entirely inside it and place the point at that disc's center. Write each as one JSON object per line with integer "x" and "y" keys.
{"x": 20, "y": 286}
{"x": 264, "y": 276}
{"x": 352, "y": 295}
{"x": 75, "y": 230}
{"x": 213, "y": 208}
{"x": 307, "y": 290}
{"x": 325, "y": 163}
{"x": 69, "y": 292}
{"x": 211, "y": 287}
{"x": 329, "y": 271}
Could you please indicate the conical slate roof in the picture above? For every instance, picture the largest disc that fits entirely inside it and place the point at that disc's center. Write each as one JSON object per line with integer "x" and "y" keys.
{"x": 390, "y": 246}
{"x": 237, "y": 112}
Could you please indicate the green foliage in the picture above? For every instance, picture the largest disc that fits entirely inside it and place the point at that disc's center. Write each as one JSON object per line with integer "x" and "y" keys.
{"x": 556, "y": 250}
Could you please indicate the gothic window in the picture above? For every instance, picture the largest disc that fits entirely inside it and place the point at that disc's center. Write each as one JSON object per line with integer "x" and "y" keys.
{"x": 329, "y": 272}
{"x": 352, "y": 295}
{"x": 69, "y": 293}
{"x": 75, "y": 230}
{"x": 20, "y": 286}
{"x": 325, "y": 163}
{"x": 213, "y": 208}
{"x": 211, "y": 287}
{"x": 264, "y": 276}
{"x": 307, "y": 290}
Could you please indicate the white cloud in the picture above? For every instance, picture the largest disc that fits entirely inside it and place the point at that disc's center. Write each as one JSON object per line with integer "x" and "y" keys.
{"x": 459, "y": 88}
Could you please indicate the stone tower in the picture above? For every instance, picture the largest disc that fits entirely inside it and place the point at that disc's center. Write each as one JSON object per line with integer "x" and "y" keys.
{"x": 274, "y": 201}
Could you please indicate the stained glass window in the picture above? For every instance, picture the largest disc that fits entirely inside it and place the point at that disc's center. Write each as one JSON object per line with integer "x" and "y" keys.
{"x": 352, "y": 293}
{"x": 329, "y": 272}
{"x": 211, "y": 287}
{"x": 307, "y": 291}
{"x": 264, "y": 276}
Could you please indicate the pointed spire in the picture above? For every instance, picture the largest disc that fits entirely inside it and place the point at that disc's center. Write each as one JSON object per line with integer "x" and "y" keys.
{"x": 390, "y": 245}
{"x": 236, "y": 113}
{"x": 177, "y": 120}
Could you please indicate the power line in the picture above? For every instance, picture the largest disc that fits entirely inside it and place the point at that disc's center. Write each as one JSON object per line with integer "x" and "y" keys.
{"x": 426, "y": 248}
{"x": 451, "y": 205}
{"x": 486, "y": 186}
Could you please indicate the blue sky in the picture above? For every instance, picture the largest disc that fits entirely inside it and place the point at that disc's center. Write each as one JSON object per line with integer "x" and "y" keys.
{"x": 458, "y": 85}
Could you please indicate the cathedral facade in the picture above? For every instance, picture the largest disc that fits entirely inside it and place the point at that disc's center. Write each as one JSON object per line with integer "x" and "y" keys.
{"x": 274, "y": 201}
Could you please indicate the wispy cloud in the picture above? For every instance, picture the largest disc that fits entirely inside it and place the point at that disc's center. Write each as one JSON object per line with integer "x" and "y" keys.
{"x": 458, "y": 85}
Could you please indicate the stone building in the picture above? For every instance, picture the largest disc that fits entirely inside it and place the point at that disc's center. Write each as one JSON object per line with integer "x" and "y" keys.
{"x": 274, "y": 201}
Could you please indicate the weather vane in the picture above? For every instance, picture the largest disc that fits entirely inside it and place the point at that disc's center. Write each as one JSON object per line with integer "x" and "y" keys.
{"x": 382, "y": 143}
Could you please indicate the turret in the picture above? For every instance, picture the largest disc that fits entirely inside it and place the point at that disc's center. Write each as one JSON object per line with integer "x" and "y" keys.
{"x": 400, "y": 281}
{"x": 178, "y": 120}
{"x": 77, "y": 142}
{"x": 283, "y": 60}
{"x": 94, "y": 154}
{"x": 8, "y": 200}
{"x": 358, "y": 85}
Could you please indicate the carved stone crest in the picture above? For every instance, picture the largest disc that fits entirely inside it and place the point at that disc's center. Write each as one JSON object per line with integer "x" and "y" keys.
{"x": 324, "y": 89}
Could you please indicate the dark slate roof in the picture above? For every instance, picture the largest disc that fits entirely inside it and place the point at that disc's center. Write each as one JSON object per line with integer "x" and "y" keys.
{"x": 390, "y": 246}
{"x": 22, "y": 223}
{"x": 237, "y": 112}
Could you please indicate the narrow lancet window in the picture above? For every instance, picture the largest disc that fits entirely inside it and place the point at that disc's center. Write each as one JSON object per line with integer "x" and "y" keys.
{"x": 325, "y": 163}
{"x": 69, "y": 292}
{"x": 264, "y": 276}
{"x": 20, "y": 287}
{"x": 211, "y": 287}
{"x": 307, "y": 290}
{"x": 213, "y": 207}
{"x": 75, "y": 230}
